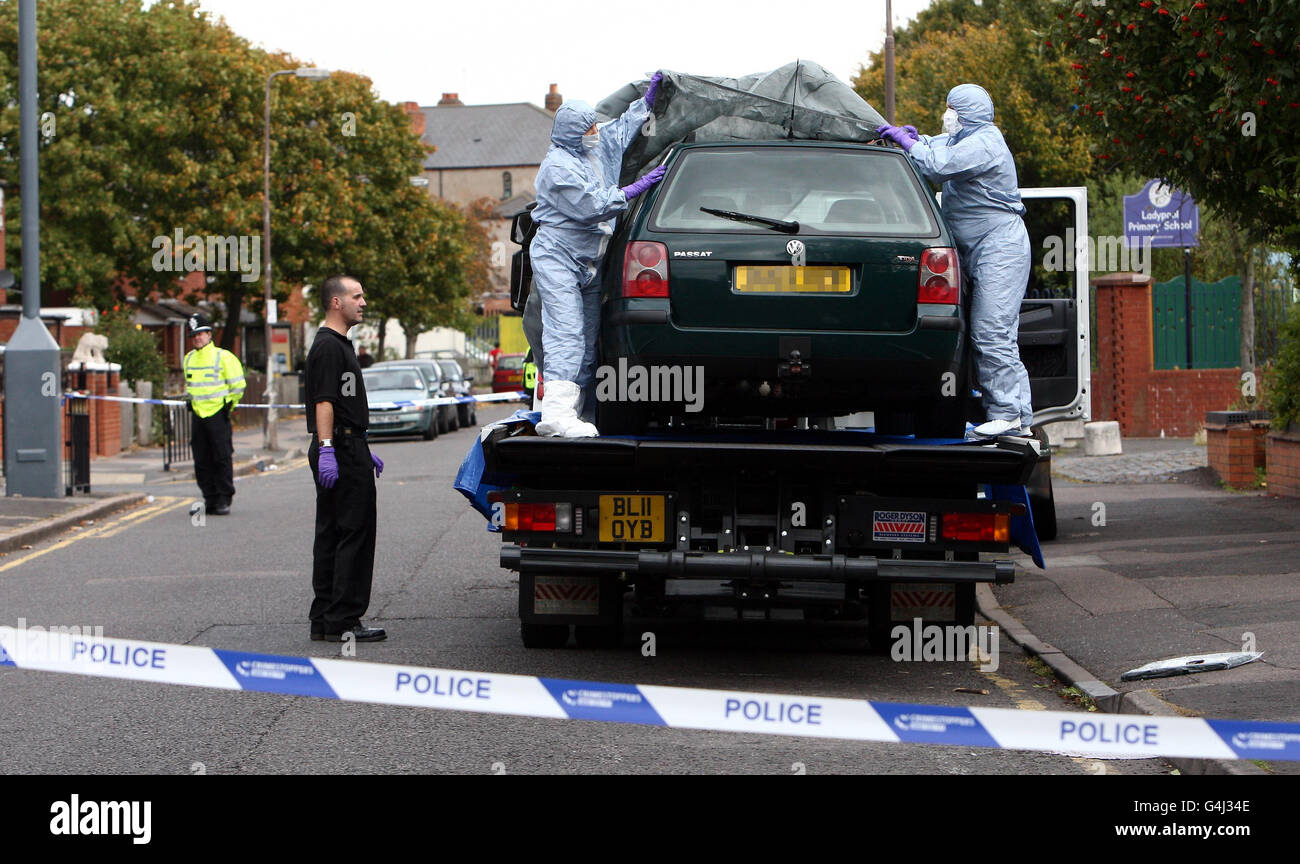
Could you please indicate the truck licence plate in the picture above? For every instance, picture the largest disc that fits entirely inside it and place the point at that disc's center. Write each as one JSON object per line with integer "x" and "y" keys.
{"x": 793, "y": 280}
{"x": 631, "y": 518}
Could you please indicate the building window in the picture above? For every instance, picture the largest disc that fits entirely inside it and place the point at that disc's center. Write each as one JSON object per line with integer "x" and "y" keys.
{"x": 506, "y": 186}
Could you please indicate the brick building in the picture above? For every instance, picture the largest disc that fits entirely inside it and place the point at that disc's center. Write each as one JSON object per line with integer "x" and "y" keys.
{"x": 486, "y": 151}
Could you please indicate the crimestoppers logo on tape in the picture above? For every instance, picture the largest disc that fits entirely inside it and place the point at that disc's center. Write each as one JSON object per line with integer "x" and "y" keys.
{"x": 1259, "y": 740}
{"x": 272, "y": 674}
{"x": 934, "y": 724}
{"x": 585, "y": 700}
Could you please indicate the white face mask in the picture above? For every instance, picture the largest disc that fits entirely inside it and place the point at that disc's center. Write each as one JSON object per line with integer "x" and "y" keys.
{"x": 950, "y": 124}
{"x": 592, "y": 141}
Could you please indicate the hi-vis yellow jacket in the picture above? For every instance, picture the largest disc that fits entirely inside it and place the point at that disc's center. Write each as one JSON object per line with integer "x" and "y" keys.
{"x": 213, "y": 378}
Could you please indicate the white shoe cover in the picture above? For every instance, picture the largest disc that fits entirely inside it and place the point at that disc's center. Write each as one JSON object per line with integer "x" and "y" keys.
{"x": 560, "y": 412}
{"x": 997, "y": 428}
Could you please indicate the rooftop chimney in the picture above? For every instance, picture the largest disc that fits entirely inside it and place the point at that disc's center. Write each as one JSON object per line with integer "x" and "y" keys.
{"x": 553, "y": 98}
{"x": 416, "y": 116}
{"x": 450, "y": 99}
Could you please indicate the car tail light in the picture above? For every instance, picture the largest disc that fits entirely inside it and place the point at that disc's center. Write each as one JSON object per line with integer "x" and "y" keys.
{"x": 939, "y": 280}
{"x": 979, "y": 527}
{"x": 645, "y": 270}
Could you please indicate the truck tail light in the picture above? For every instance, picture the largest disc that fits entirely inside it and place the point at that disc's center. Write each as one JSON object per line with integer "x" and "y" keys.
{"x": 539, "y": 516}
{"x": 645, "y": 270}
{"x": 939, "y": 280}
{"x": 978, "y": 527}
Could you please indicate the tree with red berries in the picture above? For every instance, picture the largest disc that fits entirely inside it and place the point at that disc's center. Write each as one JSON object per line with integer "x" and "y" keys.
{"x": 1205, "y": 95}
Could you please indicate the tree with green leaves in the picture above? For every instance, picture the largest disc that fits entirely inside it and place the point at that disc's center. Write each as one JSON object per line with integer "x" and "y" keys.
{"x": 153, "y": 125}
{"x": 991, "y": 44}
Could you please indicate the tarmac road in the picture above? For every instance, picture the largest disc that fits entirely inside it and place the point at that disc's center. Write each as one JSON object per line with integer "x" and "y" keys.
{"x": 243, "y": 582}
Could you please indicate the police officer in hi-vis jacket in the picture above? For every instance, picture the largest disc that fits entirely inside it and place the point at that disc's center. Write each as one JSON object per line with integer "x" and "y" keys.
{"x": 214, "y": 381}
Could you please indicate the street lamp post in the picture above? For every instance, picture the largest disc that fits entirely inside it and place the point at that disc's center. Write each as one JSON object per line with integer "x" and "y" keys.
{"x": 270, "y": 440}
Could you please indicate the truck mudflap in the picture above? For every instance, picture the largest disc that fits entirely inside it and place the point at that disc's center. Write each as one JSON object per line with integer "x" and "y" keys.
{"x": 751, "y": 567}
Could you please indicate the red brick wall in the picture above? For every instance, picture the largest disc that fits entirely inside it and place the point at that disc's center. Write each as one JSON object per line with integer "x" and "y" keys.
{"x": 67, "y": 335}
{"x": 105, "y": 416}
{"x": 1125, "y": 387}
{"x": 1284, "y": 464}
{"x": 1235, "y": 452}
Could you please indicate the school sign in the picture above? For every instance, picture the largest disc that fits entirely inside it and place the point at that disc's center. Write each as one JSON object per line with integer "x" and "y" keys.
{"x": 1161, "y": 216}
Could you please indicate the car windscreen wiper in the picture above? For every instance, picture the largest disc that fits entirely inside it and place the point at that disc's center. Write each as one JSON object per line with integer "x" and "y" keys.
{"x": 774, "y": 224}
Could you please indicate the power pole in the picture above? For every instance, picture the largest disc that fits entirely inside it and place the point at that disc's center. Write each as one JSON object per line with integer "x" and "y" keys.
{"x": 889, "y": 62}
{"x": 33, "y": 427}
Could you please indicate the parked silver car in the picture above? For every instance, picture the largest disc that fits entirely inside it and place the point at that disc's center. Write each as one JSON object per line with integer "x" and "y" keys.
{"x": 439, "y": 386}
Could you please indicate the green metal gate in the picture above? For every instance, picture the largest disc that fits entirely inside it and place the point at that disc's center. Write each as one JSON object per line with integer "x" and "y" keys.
{"x": 1216, "y": 332}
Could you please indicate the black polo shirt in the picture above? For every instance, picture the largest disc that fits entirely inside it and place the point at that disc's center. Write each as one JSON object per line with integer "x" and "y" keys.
{"x": 334, "y": 375}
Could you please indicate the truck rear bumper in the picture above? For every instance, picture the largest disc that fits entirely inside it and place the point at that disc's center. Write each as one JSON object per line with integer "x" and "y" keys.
{"x": 751, "y": 567}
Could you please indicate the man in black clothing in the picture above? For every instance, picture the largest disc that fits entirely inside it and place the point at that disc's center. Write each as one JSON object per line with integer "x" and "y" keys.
{"x": 343, "y": 554}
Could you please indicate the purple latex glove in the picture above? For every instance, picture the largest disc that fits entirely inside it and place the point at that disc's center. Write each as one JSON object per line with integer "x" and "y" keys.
{"x": 653, "y": 89}
{"x": 327, "y": 468}
{"x": 378, "y": 463}
{"x": 898, "y": 135}
{"x": 912, "y": 133}
{"x": 639, "y": 186}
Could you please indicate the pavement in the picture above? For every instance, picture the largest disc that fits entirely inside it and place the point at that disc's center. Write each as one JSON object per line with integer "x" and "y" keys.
{"x": 1144, "y": 460}
{"x": 129, "y": 478}
{"x": 1153, "y": 560}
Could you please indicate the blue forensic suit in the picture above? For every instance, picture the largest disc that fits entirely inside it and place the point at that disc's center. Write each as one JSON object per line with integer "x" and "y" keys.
{"x": 982, "y": 206}
{"x": 577, "y": 200}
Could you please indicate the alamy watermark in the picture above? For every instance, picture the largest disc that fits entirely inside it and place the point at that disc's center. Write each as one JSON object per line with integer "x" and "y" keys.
{"x": 37, "y": 642}
{"x": 638, "y": 383}
{"x": 1105, "y": 253}
{"x": 181, "y": 253}
{"x": 933, "y": 643}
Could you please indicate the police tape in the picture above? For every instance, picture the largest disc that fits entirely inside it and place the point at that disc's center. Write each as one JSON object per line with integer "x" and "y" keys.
{"x": 511, "y": 396}
{"x": 1075, "y": 733}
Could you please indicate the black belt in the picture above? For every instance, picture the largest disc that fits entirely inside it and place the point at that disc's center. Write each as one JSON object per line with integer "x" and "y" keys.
{"x": 348, "y": 432}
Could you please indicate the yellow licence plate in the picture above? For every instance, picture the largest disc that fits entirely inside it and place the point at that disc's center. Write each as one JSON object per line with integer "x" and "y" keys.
{"x": 793, "y": 280}
{"x": 631, "y": 518}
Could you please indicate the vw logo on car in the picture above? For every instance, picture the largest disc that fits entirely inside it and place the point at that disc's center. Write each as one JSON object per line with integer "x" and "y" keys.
{"x": 795, "y": 249}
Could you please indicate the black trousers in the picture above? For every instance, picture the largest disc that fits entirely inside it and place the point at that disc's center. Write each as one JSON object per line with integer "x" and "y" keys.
{"x": 343, "y": 555}
{"x": 213, "y": 457}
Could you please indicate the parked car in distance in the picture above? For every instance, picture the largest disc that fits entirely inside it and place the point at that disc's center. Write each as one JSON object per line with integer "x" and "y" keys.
{"x": 460, "y": 385}
{"x": 509, "y": 374}
{"x": 389, "y": 384}
{"x": 448, "y": 416}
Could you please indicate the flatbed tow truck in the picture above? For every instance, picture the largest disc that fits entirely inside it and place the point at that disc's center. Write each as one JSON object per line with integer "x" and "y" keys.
{"x": 834, "y": 523}
{"x": 841, "y": 525}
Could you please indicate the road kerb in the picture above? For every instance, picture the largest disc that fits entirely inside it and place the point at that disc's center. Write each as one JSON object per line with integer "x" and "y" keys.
{"x": 1107, "y": 698}
{"x": 58, "y": 524}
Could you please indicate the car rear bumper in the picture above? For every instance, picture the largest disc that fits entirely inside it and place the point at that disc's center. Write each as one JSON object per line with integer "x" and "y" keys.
{"x": 848, "y": 370}
{"x": 415, "y": 426}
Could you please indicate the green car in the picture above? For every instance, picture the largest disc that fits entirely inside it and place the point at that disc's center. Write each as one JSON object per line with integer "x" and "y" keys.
{"x": 789, "y": 279}
{"x": 778, "y": 283}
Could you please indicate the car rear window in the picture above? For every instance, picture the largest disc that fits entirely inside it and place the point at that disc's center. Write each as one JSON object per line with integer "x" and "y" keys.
{"x": 450, "y": 369}
{"x": 826, "y": 190}
{"x": 510, "y": 361}
{"x": 393, "y": 379}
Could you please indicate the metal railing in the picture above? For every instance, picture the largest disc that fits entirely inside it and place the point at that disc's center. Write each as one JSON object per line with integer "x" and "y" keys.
{"x": 176, "y": 435}
{"x": 76, "y": 464}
